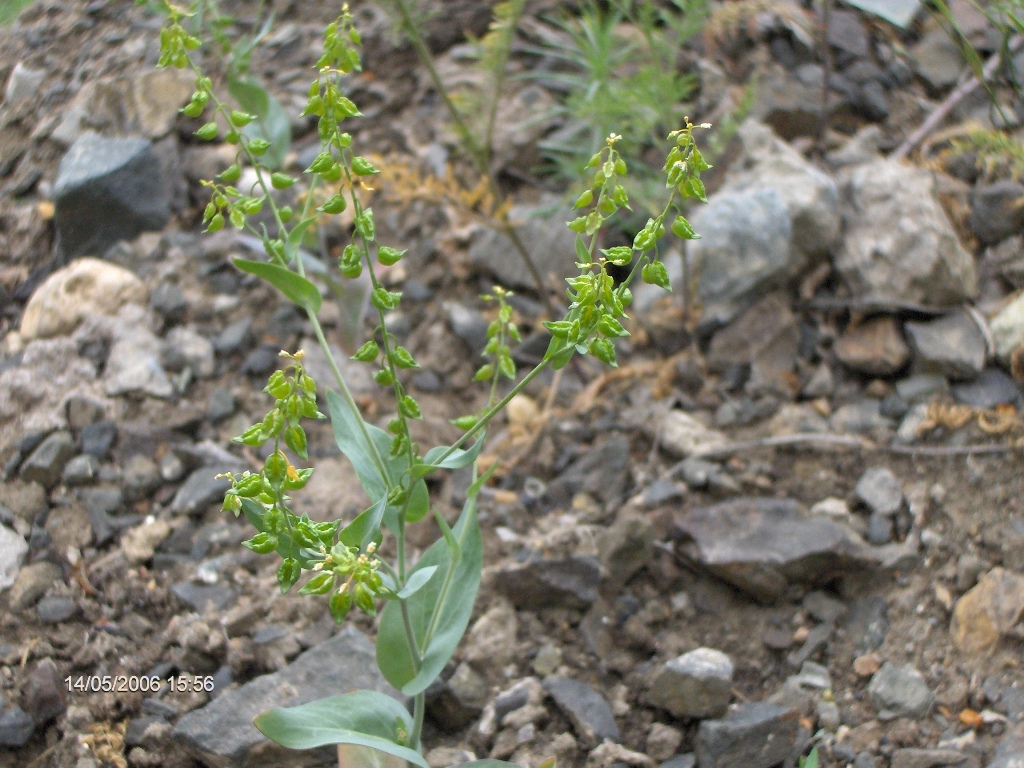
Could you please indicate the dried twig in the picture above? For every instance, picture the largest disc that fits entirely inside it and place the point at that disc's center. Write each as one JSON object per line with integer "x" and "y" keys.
{"x": 955, "y": 97}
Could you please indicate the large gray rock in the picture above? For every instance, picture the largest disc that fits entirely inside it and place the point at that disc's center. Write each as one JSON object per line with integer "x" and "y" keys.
{"x": 953, "y": 346}
{"x": 108, "y": 190}
{"x": 762, "y": 545}
{"x": 757, "y": 735}
{"x": 900, "y": 691}
{"x": 745, "y": 250}
{"x": 811, "y": 196}
{"x": 133, "y": 366}
{"x": 222, "y": 733}
{"x": 697, "y": 684}
{"x": 549, "y": 242}
{"x": 899, "y": 244}
{"x": 569, "y": 582}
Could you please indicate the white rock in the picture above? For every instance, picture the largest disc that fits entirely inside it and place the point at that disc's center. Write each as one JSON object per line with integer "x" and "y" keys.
{"x": 12, "y": 554}
{"x": 1007, "y": 329}
{"x": 682, "y": 435}
{"x": 899, "y": 244}
{"x": 22, "y": 84}
{"x": 83, "y": 287}
{"x": 696, "y": 684}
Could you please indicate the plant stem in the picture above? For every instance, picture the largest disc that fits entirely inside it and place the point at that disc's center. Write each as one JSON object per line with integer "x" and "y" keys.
{"x": 419, "y": 708}
{"x": 496, "y": 408}
{"x": 478, "y": 154}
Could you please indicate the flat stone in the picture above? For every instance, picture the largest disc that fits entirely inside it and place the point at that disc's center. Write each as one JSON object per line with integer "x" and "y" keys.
{"x": 757, "y": 735}
{"x": 766, "y": 337}
{"x": 141, "y": 476}
{"x": 108, "y": 189}
{"x": 993, "y": 387}
{"x": 569, "y": 582}
{"x": 602, "y": 472}
{"x": 199, "y": 491}
{"x": 682, "y": 435}
{"x": 880, "y": 491}
{"x": 205, "y": 597}
{"x": 932, "y": 758}
{"x": 23, "y": 84}
{"x": 46, "y": 463}
{"x": 85, "y": 286}
{"x": 32, "y": 583}
{"x": 983, "y": 615}
{"x": 916, "y": 257}
{"x": 184, "y": 348}
{"x": 133, "y": 367}
{"x": 456, "y": 702}
{"x": 589, "y": 713}
{"x": 745, "y": 251}
{"x": 875, "y": 347}
{"x": 169, "y": 301}
{"x": 105, "y": 500}
{"x": 824, "y": 607}
{"x": 953, "y": 346}
{"x": 996, "y": 212}
{"x": 13, "y": 549}
{"x": 220, "y": 406}
{"x": 697, "y": 684}
{"x": 54, "y": 610}
{"x": 81, "y": 470}
{"x": 235, "y": 337}
{"x": 98, "y": 438}
{"x": 626, "y": 547}
{"x": 16, "y": 726}
{"x": 937, "y": 60}
{"x": 222, "y": 733}
{"x": 900, "y": 691}
{"x": 762, "y": 545}
{"x": 550, "y": 242}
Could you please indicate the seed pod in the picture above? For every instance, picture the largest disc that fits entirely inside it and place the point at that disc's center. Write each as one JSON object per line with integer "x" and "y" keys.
{"x": 275, "y": 467}
{"x": 364, "y": 600}
{"x": 340, "y": 603}
{"x": 262, "y": 543}
{"x": 288, "y": 573}
{"x": 335, "y": 204}
{"x": 281, "y": 180}
{"x": 320, "y": 584}
{"x": 388, "y": 256}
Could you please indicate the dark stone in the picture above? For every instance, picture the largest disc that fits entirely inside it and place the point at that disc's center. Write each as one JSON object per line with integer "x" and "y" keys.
{"x": 169, "y": 300}
{"x": 44, "y": 693}
{"x": 880, "y": 491}
{"x": 879, "y": 529}
{"x": 97, "y": 439}
{"x": 262, "y": 360}
{"x": 454, "y": 703}
{"x": 105, "y": 500}
{"x": 46, "y": 463}
{"x": 200, "y": 489}
{"x": 202, "y": 597}
{"x": 762, "y": 545}
{"x": 992, "y": 388}
{"x": 589, "y": 713}
{"x": 996, "y": 212}
{"x": 867, "y": 625}
{"x": 570, "y": 582}
{"x": 427, "y": 381}
{"x": 758, "y": 735}
{"x": 234, "y": 338}
{"x": 137, "y": 728}
{"x": 16, "y": 726}
{"x": 600, "y": 472}
{"x": 222, "y": 732}
{"x": 54, "y": 610}
{"x": 220, "y": 406}
{"x": 81, "y": 470}
{"x": 108, "y": 190}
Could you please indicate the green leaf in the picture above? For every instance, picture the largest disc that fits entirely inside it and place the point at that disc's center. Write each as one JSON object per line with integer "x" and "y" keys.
{"x": 459, "y": 458}
{"x": 393, "y": 656}
{"x": 350, "y": 432}
{"x": 271, "y": 123}
{"x": 363, "y": 718}
{"x": 416, "y": 581}
{"x": 295, "y": 287}
{"x": 582, "y": 252}
{"x": 365, "y": 527}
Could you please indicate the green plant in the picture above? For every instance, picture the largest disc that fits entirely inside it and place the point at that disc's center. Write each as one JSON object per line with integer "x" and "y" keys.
{"x": 9, "y": 10}
{"x": 427, "y": 604}
{"x": 476, "y": 135}
{"x": 233, "y": 51}
{"x": 620, "y": 81}
{"x": 811, "y": 761}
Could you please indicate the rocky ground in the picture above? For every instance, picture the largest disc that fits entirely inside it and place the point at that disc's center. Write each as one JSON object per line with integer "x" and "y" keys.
{"x": 792, "y": 519}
